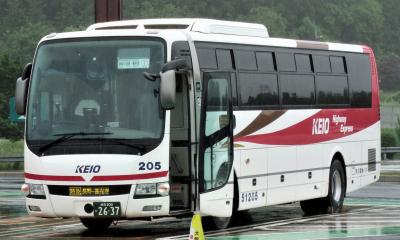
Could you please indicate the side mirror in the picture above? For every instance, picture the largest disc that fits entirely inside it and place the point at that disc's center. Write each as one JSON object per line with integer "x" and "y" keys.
{"x": 168, "y": 82}
{"x": 167, "y": 89}
{"x": 21, "y": 90}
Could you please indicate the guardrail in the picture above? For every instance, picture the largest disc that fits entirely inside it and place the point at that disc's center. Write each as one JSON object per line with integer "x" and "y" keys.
{"x": 11, "y": 159}
{"x": 384, "y": 151}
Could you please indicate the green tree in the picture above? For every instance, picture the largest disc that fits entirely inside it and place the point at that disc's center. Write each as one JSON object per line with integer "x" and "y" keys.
{"x": 274, "y": 21}
{"x": 8, "y": 71}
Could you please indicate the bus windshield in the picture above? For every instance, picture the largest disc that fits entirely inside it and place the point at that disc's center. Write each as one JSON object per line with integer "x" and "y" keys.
{"x": 95, "y": 86}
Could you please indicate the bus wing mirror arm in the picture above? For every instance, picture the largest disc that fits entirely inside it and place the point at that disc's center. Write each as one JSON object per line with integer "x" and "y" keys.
{"x": 176, "y": 64}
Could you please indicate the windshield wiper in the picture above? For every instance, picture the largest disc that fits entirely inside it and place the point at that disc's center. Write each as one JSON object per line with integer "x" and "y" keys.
{"x": 65, "y": 136}
{"x": 140, "y": 147}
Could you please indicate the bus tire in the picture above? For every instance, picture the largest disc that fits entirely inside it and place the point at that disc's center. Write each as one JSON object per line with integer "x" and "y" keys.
{"x": 312, "y": 206}
{"x": 333, "y": 203}
{"x": 96, "y": 224}
{"x": 216, "y": 223}
{"x": 337, "y": 188}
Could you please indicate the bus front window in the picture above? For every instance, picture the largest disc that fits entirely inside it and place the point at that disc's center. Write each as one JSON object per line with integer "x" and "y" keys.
{"x": 95, "y": 86}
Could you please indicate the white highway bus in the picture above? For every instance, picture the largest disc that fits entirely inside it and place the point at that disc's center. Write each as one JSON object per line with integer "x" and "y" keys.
{"x": 164, "y": 117}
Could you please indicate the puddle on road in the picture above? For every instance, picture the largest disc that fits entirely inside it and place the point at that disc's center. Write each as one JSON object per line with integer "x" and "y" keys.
{"x": 371, "y": 202}
{"x": 12, "y": 204}
{"x": 342, "y": 233}
{"x": 381, "y": 218}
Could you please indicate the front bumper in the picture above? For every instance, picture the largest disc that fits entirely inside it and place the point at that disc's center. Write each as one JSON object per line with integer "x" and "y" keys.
{"x": 68, "y": 206}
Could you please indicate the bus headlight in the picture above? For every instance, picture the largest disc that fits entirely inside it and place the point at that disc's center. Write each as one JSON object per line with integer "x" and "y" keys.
{"x": 152, "y": 189}
{"x": 36, "y": 190}
{"x": 146, "y": 189}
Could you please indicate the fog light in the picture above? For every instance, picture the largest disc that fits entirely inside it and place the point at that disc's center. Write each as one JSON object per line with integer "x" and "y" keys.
{"x": 34, "y": 208}
{"x": 151, "y": 208}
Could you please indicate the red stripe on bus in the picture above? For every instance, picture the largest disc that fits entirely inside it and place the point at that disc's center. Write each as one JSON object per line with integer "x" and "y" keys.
{"x": 131, "y": 176}
{"x": 53, "y": 177}
{"x": 312, "y": 130}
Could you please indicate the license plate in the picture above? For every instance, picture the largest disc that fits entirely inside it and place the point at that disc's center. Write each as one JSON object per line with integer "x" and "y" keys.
{"x": 89, "y": 191}
{"x": 107, "y": 209}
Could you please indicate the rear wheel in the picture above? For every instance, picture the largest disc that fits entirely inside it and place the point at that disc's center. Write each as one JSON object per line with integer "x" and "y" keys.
{"x": 96, "y": 224}
{"x": 337, "y": 188}
{"x": 333, "y": 203}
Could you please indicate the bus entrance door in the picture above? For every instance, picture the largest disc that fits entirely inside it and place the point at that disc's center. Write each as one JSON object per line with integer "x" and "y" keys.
{"x": 180, "y": 166}
{"x": 216, "y": 146}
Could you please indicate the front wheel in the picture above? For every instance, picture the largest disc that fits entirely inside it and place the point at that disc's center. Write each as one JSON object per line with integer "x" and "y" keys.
{"x": 96, "y": 224}
{"x": 333, "y": 203}
{"x": 212, "y": 223}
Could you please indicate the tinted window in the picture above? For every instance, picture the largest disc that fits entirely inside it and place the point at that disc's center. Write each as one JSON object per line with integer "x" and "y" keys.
{"x": 337, "y": 64}
{"x": 265, "y": 61}
{"x": 332, "y": 90}
{"x": 297, "y": 89}
{"x": 245, "y": 60}
{"x": 224, "y": 59}
{"x": 359, "y": 71}
{"x": 321, "y": 64}
{"x": 285, "y": 62}
{"x": 303, "y": 63}
{"x": 207, "y": 58}
{"x": 258, "y": 89}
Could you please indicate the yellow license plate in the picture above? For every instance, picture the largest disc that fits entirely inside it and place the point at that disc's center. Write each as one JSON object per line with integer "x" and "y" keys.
{"x": 89, "y": 191}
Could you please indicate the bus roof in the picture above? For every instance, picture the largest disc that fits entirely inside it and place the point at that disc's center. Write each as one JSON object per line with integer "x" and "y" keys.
{"x": 204, "y": 30}
{"x": 207, "y": 26}
{"x": 211, "y": 30}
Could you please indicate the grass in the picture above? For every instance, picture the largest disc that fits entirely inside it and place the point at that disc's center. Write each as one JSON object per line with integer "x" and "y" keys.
{"x": 389, "y": 98}
{"x": 11, "y": 166}
{"x": 11, "y": 148}
{"x": 390, "y": 174}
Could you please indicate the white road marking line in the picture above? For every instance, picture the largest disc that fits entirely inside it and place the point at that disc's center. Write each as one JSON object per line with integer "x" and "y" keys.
{"x": 67, "y": 226}
{"x": 358, "y": 221}
{"x": 260, "y": 226}
{"x": 371, "y": 217}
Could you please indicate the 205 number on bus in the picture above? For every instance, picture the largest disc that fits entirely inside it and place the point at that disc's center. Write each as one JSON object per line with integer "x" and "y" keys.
{"x": 149, "y": 166}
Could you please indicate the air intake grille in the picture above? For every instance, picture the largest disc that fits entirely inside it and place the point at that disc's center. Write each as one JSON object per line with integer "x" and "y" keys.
{"x": 166, "y": 26}
{"x": 117, "y": 27}
{"x": 371, "y": 159}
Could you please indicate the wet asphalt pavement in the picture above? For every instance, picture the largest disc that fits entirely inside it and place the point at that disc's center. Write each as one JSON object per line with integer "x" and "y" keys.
{"x": 370, "y": 213}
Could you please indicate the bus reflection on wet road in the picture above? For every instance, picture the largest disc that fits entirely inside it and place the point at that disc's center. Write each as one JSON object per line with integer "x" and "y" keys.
{"x": 363, "y": 217}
